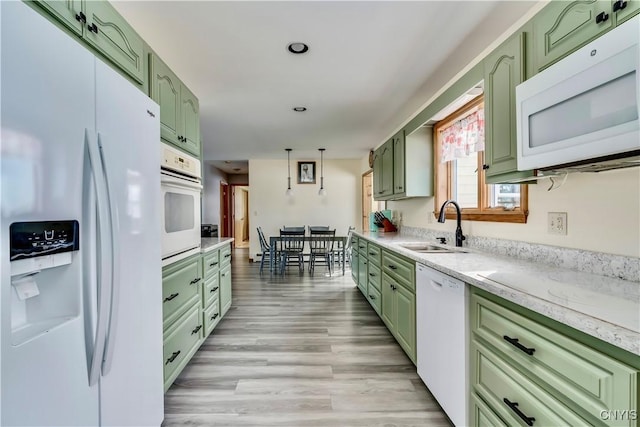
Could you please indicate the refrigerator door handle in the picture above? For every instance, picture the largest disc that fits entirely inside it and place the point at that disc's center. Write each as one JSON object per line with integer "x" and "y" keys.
{"x": 105, "y": 271}
{"x": 115, "y": 269}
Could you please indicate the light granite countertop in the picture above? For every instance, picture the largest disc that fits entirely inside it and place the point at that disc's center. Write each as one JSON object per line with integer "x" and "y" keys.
{"x": 603, "y": 307}
{"x": 210, "y": 243}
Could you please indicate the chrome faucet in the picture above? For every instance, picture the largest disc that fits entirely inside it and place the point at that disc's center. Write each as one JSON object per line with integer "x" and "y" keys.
{"x": 459, "y": 236}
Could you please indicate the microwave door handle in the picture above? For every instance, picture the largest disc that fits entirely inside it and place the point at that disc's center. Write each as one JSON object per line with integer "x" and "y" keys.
{"x": 115, "y": 270}
{"x": 104, "y": 278}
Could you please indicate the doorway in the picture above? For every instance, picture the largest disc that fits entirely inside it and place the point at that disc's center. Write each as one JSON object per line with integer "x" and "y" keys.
{"x": 368, "y": 204}
{"x": 234, "y": 213}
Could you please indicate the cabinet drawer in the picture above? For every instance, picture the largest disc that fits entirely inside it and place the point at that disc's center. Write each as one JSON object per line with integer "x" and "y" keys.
{"x": 400, "y": 269}
{"x": 508, "y": 392}
{"x": 180, "y": 285}
{"x": 211, "y": 317}
{"x": 354, "y": 243}
{"x": 225, "y": 255}
{"x": 375, "y": 276}
{"x": 180, "y": 342}
{"x": 362, "y": 247}
{"x": 583, "y": 376}
{"x": 483, "y": 415}
{"x": 374, "y": 253}
{"x": 211, "y": 264}
{"x": 210, "y": 290}
{"x": 375, "y": 299}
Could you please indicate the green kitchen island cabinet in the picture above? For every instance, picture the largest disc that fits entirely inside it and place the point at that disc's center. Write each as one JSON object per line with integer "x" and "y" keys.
{"x": 179, "y": 108}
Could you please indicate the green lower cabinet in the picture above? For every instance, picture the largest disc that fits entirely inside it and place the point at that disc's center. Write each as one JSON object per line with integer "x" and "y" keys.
{"x": 557, "y": 375}
{"x": 512, "y": 396}
{"x": 399, "y": 314}
{"x": 181, "y": 283}
{"x": 388, "y": 303}
{"x": 211, "y": 317}
{"x": 181, "y": 341}
{"x": 355, "y": 262}
{"x": 362, "y": 273}
{"x": 375, "y": 299}
{"x": 225, "y": 289}
{"x": 210, "y": 290}
{"x": 406, "y": 321}
{"x": 483, "y": 415}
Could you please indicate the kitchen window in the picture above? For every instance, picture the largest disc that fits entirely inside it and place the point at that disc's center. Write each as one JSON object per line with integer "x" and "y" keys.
{"x": 459, "y": 160}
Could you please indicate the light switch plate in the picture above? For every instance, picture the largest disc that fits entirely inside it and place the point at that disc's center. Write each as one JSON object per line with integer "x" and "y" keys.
{"x": 557, "y": 223}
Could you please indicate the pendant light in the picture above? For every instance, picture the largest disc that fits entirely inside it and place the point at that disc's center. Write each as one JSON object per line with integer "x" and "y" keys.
{"x": 289, "y": 191}
{"x": 322, "y": 191}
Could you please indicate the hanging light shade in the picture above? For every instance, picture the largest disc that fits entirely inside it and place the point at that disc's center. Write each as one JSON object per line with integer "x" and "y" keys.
{"x": 322, "y": 191}
{"x": 289, "y": 190}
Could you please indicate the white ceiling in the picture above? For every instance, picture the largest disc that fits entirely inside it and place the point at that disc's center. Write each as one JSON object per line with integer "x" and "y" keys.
{"x": 363, "y": 76}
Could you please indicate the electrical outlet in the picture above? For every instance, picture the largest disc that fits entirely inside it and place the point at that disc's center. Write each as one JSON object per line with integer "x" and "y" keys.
{"x": 557, "y": 223}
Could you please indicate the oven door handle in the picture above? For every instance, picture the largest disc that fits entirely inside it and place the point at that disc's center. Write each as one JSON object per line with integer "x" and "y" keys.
{"x": 179, "y": 183}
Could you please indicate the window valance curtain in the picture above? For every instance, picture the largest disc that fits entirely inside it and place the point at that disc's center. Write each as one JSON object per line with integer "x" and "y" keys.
{"x": 463, "y": 137}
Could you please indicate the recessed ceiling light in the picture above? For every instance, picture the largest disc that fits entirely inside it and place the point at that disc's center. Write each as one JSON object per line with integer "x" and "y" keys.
{"x": 297, "y": 48}
{"x": 299, "y": 109}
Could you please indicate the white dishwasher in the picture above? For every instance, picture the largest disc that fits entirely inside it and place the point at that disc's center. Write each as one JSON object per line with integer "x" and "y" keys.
{"x": 442, "y": 334}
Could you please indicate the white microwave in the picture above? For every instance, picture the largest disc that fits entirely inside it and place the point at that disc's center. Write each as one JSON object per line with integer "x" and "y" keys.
{"x": 585, "y": 108}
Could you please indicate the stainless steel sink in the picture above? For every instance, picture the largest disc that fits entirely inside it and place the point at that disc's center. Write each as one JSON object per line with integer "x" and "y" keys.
{"x": 429, "y": 248}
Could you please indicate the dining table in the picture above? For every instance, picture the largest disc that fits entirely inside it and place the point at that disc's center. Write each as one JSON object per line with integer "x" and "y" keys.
{"x": 273, "y": 241}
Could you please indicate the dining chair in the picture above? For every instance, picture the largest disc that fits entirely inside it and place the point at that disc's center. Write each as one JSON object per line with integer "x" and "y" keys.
{"x": 337, "y": 251}
{"x": 321, "y": 248}
{"x": 265, "y": 248}
{"x": 291, "y": 247}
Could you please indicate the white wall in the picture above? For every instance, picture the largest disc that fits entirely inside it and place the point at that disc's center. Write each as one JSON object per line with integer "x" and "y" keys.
{"x": 271, "y": 209}
{"x": 211, "y": 194}
{"x": 603, "y": 214}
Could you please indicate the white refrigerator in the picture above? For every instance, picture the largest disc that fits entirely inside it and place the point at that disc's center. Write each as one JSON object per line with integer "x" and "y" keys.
{"x": 80, "y": 294}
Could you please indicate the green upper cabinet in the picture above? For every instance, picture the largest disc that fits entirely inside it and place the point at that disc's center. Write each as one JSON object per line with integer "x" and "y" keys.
{"x": 624, "y": 10}
{"x": 383, "y": 171}
{"x": 503, "y": 71}
{"x": 110, "y": 34}
{"x": 398, "y": 163}
{"x": 179, "y": 109}
{"x": 563, "y": 26}
{"x": 190, "y": 115}
{"x": 70, "y": 13}
{"x": 403, "y": 166}
{"x": 104, "y": 30}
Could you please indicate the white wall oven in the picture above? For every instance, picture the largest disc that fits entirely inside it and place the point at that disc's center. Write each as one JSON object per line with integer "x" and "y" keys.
{"x": 181, "y": 186}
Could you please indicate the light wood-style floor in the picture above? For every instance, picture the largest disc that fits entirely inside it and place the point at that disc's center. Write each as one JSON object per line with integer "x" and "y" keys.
{"x": 299, "y": 351}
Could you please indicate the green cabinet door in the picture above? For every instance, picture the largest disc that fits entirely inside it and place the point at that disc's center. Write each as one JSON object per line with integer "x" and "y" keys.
{"x": 563, "y": 26}
{"x": 362, "y": 273}
{"x": 190, "y": 121}
{"x": 388, "y": 302}
{"x": 165, "y": 90}
{"x": 355, "y": 262}
{"x": 377, "y": 174}
{"x": 399, "y": 163}
{"x": 405, "y": 311}
{"x": 503, "y": 71}
{"x": 630, "y": 9}
{"x": 69, "y": 13}
{"x": 387, "y": 169}
{"x": 225, "y": 289}
{"x": 110, "y": 34}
